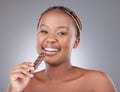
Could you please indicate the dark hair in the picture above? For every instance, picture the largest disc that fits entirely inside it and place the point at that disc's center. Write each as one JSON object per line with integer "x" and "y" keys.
{"x": 69, "y": 12}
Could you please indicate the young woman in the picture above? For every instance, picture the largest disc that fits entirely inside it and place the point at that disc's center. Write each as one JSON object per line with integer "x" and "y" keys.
{"x": 58, "y": 33}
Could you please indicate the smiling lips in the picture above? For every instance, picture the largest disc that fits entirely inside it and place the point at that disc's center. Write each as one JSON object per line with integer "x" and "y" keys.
{"x": 51, "y": 51}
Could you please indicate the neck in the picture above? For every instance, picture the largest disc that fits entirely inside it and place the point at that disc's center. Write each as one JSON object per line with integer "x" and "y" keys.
{"x": 58, "y": 72}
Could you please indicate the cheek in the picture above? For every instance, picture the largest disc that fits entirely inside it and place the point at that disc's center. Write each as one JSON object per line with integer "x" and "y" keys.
{"x": 67, "y": 43}
{"x": 39, "y": 41}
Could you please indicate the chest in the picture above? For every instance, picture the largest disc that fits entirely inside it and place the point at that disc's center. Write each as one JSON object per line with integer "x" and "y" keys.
{"x": 74, "y": 86}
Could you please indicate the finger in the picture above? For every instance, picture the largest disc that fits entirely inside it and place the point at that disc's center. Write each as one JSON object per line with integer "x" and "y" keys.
{"x": 25, "y": 65}
{"x": 24, "y": 71}
{"x": 18, "y": 76}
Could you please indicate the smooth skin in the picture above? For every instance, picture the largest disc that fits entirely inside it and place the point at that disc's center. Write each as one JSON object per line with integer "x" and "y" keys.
{"x": 56, "y": 36}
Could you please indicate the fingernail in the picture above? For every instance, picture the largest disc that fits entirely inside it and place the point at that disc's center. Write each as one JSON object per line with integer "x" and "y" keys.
{"x": 32, "y": 64}
{"x": 28, "y": 69}
{"x": 32, "y": 68}
{"x": 31, "y": 75}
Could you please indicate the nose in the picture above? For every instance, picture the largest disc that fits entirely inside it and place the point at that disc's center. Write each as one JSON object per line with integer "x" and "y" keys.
{"x": 51, "y": 39}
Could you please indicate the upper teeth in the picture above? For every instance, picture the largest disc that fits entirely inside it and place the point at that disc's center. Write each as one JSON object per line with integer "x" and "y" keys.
{"x": 51, "y": 49}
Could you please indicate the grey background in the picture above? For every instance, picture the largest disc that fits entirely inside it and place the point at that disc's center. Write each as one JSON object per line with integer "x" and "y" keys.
{"x": 100, "y": 41}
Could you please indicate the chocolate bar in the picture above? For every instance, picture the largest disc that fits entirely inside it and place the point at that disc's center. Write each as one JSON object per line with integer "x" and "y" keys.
{"x": 39, "y": 60}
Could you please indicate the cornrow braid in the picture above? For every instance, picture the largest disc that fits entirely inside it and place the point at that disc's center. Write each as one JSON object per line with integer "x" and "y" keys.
{"x": 68, "y": 12}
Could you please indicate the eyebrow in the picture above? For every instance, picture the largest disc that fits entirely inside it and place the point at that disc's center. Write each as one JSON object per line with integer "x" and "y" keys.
{"x": 59, "y": 27}
{"x": 43, "y": 25}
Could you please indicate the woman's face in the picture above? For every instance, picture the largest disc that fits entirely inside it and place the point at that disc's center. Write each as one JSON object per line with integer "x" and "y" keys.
{"x": 56, "y": 37}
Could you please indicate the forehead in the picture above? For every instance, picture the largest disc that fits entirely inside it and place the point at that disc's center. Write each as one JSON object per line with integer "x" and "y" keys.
{"x": 56, "y": 15}
{"x": 55, "y": 11}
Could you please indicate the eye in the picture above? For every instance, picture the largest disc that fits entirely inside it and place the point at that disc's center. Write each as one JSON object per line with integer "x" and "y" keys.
{"x": 43, "y": 31}
{"x": 61, "y": 33}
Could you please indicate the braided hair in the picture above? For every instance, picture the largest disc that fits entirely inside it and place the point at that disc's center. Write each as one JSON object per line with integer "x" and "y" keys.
{"x": 69, "y": 12}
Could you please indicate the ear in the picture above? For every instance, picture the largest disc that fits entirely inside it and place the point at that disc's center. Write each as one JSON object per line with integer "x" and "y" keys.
{"x": 77, "y": 41}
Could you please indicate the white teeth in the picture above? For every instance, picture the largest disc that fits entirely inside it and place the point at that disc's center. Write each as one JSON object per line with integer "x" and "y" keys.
{"x": 51, "y": 49}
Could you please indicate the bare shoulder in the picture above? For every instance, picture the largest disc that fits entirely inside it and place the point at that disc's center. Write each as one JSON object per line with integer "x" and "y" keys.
{"x": 96, "y": 75}
{"x": 101, "y": 81}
